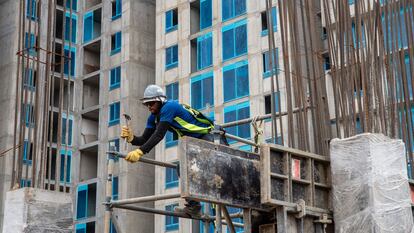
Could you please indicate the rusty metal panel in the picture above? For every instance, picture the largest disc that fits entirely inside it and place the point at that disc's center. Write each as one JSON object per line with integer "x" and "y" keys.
{"x": 219, "y": 174}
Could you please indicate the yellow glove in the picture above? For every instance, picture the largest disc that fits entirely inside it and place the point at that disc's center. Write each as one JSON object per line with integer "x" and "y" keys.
{"x": 127, "y": 133}
{"x": 134, "y": 155}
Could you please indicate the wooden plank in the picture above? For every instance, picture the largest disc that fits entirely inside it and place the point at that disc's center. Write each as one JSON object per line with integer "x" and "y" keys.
{"x": 219, "y": 174}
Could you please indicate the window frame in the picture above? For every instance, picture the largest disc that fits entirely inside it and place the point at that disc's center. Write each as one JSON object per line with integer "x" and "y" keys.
{"x": 27, "y": 159}
{"x": 233, "y": 14}
{"x": 72, "y": 17}
{"x": 118, "y": 10}
{"x": 197, "y": 79}
{"x": 169, "y": 20}
{"x": 115, "y": 106}
{"x": 171, "y": 177}
{"x": 174, "y": 225}
{"x": 70, "y": 50}
{"x": 203, "y": 41}
{"x": 265, "y": 57}
{"x": 265, "y": 32}
{"x": 117, "y": 36}
{"x": 233, "y": 27}
{"x": 33, "y": 12}
{"x": 235, "y": 67}
{"x": 204, "y": 16}
{"x": 68, "y": 168}
{"x": 174, "y": 63}
{"x": 236, "y": 108}
{"x": 115, "y": 78}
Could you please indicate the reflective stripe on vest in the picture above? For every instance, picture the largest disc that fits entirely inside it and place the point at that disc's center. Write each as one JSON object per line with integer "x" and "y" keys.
{"x": 191, "y": 128}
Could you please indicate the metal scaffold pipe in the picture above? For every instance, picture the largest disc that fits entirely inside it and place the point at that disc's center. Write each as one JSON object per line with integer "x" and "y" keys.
{"x": 205, "y": 218}
{"x": 145, "y": 160}
{"x": 145, "y": 199}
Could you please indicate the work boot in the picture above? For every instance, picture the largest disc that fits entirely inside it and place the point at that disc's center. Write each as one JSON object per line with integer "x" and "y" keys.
{"x": 192, "y": 208}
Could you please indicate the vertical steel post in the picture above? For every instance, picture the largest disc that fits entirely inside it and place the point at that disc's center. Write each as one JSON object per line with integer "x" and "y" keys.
{"x": 108, "y": 196}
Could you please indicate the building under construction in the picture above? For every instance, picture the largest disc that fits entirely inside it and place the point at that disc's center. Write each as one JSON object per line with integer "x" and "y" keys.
{"x": 283, "y": 78}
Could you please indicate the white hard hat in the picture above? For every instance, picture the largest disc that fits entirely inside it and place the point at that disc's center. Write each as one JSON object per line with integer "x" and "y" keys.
{"x": 153, "y": 93}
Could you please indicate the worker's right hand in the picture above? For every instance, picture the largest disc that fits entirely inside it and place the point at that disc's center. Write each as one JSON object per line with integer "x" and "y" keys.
{"x": 127, "y": 133}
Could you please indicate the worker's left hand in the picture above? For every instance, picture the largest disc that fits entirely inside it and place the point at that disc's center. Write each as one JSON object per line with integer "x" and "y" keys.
{"x": 134, "y": 155}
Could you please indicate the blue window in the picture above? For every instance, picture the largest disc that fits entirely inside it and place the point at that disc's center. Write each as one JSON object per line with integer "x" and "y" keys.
{"x": 171, "y": 178}
{"x": 70, "y": 60}
{"x": 202, "y": 91}
{"x": 29, "y": 117}
{"x": 74, "y": 5}
{"x": 234, "y": 40}
{"x": 206, "y": 14}
{"x": 30, "y": 44}
{"x": 233, "y": 210}
{"x": 115, "y": 192}
{"x": 408, "y": 75}
{"x": 81, "y": 228}
{"x": 86, "y": 201}
{"x": 267, "y": 69}
{"x": 115, "y": 78}
{"x": 236, "y": 80}
{"x": 268, "y": 103}
{"x": 208, "y": 211}
{"x": 277, "y": 140}
{"x": 326, "y": 62}
{"x": 354, "y": 36}
{"x": 350, "y": 2}
{"x": 172, "y": 91}
{"x": 114, "y": 113}
{"x": 88, "y": 27}
{"x": 116, "y": 9}
{"x": 82, "y": 202}
{"x": 116, "y": 42}
{"x": 71, "y": 33}
{"x": 30, "y": 79}
{"x": 171, "y": 138}
{"x": 171, "y": 223}
{"x": 204, "y": 51}
{"x": 68, "y": 155}
{"x": 31, "y": 9}
{"x": 27, "y": 152}
{"x": 112, "y": 229}
{"x": 400, "y": 31}
{"x": 171, "y": 57}
{"x": 25, "y": 183}
{"x": 232, "y": 8}
{"x": 171, "y": 20}
{"x": 114, "y": 145}
{"x": 91, "y": 26}
{"x": 64, "y": 130}
{"x": 358, "y": 126}
{"x": 265, "y": 24}
{"x": 235, "y": 113}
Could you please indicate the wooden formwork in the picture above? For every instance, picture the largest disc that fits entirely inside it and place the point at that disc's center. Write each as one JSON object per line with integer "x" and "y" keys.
{"x": 288, "y": 175}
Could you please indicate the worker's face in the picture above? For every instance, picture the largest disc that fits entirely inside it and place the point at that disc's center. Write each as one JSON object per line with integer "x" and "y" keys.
{"x": 153, "y": 106}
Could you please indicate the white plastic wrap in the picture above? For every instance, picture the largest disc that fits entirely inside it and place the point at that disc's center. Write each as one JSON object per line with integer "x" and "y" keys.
{"x": 370, "y": 185}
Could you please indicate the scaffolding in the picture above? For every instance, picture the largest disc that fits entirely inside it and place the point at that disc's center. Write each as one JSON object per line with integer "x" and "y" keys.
{"x": 266, "y": 204}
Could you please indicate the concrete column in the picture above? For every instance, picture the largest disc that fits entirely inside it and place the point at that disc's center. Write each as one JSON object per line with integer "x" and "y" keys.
{"x": 370, "y": 185}
{"x": 37, "y": 210}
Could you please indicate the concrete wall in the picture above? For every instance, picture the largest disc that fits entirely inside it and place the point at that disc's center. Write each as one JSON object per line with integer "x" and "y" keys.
{"x": 8, "y": 68}
{"x": 37, "y": 210}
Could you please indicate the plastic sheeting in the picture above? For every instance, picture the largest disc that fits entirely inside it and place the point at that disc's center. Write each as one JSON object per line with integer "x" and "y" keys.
{"x": 370, "y": 185}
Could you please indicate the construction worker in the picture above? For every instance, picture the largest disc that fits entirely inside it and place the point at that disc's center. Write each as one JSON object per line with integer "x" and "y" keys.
{"x": 167, "y": 115}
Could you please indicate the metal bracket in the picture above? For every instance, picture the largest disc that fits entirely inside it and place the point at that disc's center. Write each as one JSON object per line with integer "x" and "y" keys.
{"x": 301, "y": 208}
{"x": 323, "y": 219}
